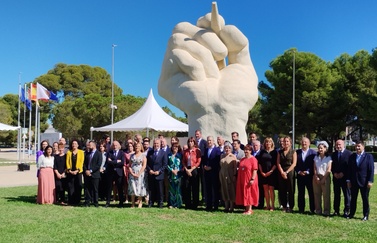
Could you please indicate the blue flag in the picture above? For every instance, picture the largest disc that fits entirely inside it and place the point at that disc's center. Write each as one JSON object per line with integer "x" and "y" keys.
{"x": 24, "y": 99}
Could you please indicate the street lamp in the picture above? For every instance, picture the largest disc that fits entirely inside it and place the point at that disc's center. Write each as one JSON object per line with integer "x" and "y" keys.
{"x": 112, "y": 106}
{"x": 293, "y": 98}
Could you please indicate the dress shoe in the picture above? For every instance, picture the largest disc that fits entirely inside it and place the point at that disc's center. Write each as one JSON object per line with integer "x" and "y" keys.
{"x": 349, "y": 216}
{"x": 365, "y": 218}
{"x": 107, "y": 205}
{"x": 120, "y": 205}
{"x": 335, "y": 214}
{"x": 160, "y": 205}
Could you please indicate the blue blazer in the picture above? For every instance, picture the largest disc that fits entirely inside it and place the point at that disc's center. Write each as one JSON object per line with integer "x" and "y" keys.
{"x": 111, "y": 165}
{"x": 363, "y": 173}
{"x": 341, "y": 164}
{"x": 157, "y": 163}
{"x": 95, "y": 164}
{"x": 307, "y": 164}
{"x": 213, "y": 160}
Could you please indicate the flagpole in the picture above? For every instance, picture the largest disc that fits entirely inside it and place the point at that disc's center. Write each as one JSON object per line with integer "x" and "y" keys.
{"x": 36, "y": 127}
{"x": 18, "y": 122}
{"x": 30, "y": 139}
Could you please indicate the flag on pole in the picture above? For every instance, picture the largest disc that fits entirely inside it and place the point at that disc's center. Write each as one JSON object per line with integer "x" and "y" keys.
{"x": 45, "y": 94}
{"x": 42, "y": 92}
{"x": 33, "y": 93}
{"x": 24, "y": 99}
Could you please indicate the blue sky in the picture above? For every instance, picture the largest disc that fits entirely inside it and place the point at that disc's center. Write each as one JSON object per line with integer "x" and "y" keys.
{"x": 36, "y": 35}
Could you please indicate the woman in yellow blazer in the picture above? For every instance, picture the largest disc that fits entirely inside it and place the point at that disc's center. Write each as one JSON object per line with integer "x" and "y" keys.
{"x": 75, "y": 162}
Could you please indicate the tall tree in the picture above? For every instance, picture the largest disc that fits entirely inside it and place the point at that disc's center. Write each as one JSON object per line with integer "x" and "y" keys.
{"x": 313, "y": 86}
{"x": 358, "y": 79}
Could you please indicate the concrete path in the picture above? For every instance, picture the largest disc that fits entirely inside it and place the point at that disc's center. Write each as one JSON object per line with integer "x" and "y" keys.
{"x": 9, "y": 176}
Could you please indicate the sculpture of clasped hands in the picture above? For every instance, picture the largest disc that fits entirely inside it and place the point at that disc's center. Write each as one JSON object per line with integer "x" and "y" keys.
{"x": 195, "y": 78}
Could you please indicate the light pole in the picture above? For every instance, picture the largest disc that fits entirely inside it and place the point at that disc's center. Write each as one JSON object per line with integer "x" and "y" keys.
{"x": 293, "y": 98}
{"x": 112, "y": 90}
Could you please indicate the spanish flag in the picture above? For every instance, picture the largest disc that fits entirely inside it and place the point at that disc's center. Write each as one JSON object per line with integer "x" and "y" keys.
{"x": 33, "y": 93}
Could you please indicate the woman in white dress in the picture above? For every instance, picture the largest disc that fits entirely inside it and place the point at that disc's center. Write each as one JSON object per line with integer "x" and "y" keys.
{"x": 137, "y": 184}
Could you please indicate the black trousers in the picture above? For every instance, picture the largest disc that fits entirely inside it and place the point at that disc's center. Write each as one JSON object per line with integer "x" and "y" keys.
{"x": 60, "y": 188}
{"x": 212, "y": 182}
{"x": 302, "y": 183}
{"x": 338, "y": 186}
{"x": 190, "y": 189}
{"x": 74, "y": 183}
{"x": 114, "y": 177}
{"x": 287, "y": 190}
{"x": 156, "y": 190}
{"x": 91, "y": 190}
{"x": 364, "y": 191}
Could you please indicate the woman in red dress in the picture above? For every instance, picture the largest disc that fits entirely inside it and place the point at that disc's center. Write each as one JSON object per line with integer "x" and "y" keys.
{"x": 247, "y": 192}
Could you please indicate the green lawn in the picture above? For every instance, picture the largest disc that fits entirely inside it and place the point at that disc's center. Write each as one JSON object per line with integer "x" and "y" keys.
{"x": 21, "y": 220}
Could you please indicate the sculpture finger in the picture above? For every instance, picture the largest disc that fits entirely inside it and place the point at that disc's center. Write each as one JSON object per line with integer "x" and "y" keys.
{"x": 237, "y": 44}
{"x": 205, "y": 37}
{"x": 188, "y": 64}
{"x": 197, "y": 51}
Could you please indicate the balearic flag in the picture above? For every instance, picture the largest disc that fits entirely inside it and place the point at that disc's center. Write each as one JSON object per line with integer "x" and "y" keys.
{"x": 45, "y": 94}
{"x": 42, "y": 93}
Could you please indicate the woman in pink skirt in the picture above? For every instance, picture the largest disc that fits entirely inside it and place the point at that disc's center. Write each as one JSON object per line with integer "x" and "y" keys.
{"x": 46, "y": 180}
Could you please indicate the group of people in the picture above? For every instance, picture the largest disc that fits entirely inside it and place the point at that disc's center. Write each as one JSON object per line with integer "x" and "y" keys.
{"x": 227, "y": 172}
{"x": 351, "y": 173}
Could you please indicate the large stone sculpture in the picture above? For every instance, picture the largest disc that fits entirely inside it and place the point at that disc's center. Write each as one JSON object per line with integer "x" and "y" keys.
{"x": 195, "y": 77}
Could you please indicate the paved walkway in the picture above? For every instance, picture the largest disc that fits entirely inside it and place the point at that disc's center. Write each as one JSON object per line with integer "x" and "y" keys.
{"x": 10, "y": 177}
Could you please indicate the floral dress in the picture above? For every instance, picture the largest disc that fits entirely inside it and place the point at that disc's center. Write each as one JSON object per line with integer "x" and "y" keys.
{"x": 137, "y": 186}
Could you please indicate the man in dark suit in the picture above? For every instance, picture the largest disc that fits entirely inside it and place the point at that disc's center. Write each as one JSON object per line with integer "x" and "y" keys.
{"x": 202, "y": 145}
{"x": 92, "y": 165}
{"x": 157, "y": 161}
{"x": 339, "y": 169}
{"x": 360, "y": 178}
{"x": 114, "y": 172}
{"x": 304, "y": 170}
{"x": 211, "y": 167}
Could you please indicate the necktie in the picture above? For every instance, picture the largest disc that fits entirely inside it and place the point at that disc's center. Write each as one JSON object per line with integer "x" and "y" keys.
{"x": 358, "y": 159}
{"x": 339, "y": 155}
{"x": 116, "y": 153}
{"x": 90, "y": 160}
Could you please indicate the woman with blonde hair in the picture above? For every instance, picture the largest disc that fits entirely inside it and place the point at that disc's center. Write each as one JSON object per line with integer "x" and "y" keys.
{"x": 286, "y": 162}
{"x": 137, "y": 186}
{"x": 267, "y": 169}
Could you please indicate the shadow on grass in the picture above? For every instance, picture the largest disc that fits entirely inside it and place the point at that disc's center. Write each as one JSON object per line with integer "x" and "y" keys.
{"x": 26, "y": 199}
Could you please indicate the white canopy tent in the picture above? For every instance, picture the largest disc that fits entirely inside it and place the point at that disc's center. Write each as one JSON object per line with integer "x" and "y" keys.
{"x": 149, "y": 117}
{"x": 5, "y": 127}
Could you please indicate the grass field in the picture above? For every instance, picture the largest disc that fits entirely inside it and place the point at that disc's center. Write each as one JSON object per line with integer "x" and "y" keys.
{"x": 21, "y": 220}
